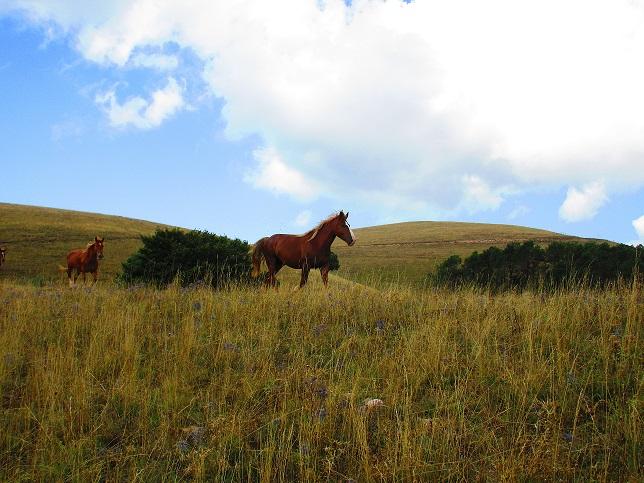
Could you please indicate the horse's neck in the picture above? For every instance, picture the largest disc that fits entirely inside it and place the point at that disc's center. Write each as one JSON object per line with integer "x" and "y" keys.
{"x": 324, "y": 238}
{"x": 90, "y": 253}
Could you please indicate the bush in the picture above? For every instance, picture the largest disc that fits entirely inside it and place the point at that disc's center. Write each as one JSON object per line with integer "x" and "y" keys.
{"x": 190, "y": 256}
{"x": 334, "y": 262}
{"x": 520, "y": 265}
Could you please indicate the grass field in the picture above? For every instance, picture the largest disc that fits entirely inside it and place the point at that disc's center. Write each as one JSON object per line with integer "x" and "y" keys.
{"x": 139, "y": 384}
{"x": 406, "y": 252}
{"x": 111, "y": 384}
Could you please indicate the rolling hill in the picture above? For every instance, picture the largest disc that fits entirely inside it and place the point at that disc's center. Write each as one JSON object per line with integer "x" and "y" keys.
{"x": 38, "y": 239}
{"x": 407, "y": 252}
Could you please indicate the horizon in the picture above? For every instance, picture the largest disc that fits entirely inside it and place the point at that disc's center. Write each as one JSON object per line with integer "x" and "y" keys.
{"x": 267, "y": 124}
{"x": 312, "y": 225}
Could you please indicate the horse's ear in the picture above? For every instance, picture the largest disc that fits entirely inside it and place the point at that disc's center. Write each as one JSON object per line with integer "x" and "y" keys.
{"x": 95, "y": 238}
{"x": 346, "y": 215}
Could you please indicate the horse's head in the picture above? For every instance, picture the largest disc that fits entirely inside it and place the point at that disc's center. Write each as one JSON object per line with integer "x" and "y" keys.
{"x": 98, "y": 243}
{"x": 2, "y": 254}
{"x": 343, "y": 230}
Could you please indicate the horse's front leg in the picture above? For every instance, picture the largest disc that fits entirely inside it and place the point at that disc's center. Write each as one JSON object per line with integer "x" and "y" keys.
{"x": 95, "y": 275}
{"x": 305, "y": 275}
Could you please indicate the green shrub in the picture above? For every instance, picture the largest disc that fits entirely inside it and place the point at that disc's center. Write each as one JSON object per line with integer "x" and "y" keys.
{"x": 334, "y": 262}
{"x": 190, "y": 256}
{"x": 520, "y": 265}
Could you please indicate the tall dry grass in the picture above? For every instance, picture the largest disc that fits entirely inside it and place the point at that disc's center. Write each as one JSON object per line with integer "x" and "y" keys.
{"x": 246, "y": 385}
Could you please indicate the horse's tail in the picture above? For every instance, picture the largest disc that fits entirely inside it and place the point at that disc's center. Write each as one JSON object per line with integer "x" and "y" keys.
{"x": 257, "y": 255}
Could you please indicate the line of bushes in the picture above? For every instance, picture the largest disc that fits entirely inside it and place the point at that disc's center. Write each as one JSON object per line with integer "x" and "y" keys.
{"x": 523, "y": 265}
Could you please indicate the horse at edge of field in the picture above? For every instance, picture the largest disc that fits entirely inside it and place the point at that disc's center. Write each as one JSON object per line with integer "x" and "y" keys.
{"x": 84, "y": 261}
{"x": 309, "y": 250}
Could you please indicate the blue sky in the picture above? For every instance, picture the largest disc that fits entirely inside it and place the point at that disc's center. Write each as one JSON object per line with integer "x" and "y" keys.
{"x": 272, "y": 124}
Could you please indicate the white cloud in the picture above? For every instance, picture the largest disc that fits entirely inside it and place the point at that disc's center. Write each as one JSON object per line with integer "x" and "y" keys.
{"x": 303, "y": 218}
{"x": 142, "y": 113}
{"x": 69, "y": 128}
{"x": 155, "y": 61}
{"x": 583, "y": 204}
{"x": 518, "y": 212}
{"x": 403, "y": 99}
{"x": 638, "y": 224}
{"x": 271, "y": 173}
{"x": 478, "y": 196}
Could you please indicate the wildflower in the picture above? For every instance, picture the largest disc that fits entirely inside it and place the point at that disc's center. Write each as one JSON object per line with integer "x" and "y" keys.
{"x": 567, "y": 437}
{"x": 183, "y": 446}
{"x": 230, "y": 347}
{"x": 321, "y": 413}
{"x": 322, "y": 391}
{"x": 380, "y": 325}
{"x": 304, "y": 449}
{"x": 193, "y": 436}
{"x": 318, "y": 329}
{"x": 196, "y": 306}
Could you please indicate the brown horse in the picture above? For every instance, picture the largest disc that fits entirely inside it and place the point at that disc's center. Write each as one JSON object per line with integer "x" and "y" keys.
{"x": 84, "y": 261}
{"x": 3, "y": 252}
{"x": 307, "y": 251}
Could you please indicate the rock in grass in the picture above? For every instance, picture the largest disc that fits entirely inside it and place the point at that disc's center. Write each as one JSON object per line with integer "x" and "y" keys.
{"x": 371, "y": 404}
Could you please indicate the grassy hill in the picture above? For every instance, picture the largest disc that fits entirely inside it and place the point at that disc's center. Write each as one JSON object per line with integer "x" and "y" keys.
{"x": 38, "y": 239}
{"x": 406, "y": 252}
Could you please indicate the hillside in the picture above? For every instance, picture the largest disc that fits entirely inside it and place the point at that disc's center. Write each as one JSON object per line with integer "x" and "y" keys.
{"x": 406, "y": 252}
{"x": 38, "y": 239}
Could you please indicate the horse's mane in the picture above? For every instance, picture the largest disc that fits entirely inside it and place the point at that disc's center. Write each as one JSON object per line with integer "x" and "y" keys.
{"x": 310, "y": 235}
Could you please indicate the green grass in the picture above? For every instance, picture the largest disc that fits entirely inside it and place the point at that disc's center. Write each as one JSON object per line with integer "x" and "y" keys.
{"x": 407, "y": 252}
{"x": 38, "y": 240}
{"x": 111, "y": 384}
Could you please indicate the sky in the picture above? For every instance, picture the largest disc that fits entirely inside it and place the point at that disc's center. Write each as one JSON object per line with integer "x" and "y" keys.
{"x": 247, "y": 118}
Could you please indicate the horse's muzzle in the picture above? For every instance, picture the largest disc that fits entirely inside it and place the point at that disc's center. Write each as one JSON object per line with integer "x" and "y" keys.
{"x": 353, "y": 242}
{"x": 100, "y": 257}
